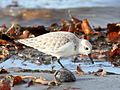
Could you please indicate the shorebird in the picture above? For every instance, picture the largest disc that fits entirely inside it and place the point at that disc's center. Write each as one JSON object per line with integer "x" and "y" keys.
{"x": 59, "y": 44}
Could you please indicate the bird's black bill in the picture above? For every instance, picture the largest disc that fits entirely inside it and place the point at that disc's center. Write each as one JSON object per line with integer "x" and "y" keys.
{"x": 89, "y": 55}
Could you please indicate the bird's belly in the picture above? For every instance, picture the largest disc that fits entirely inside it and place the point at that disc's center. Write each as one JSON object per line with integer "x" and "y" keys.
{"x": 65, "y": 53}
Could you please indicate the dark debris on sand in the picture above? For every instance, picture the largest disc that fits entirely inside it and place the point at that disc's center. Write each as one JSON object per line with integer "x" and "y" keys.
{"x": 105, "y": 41}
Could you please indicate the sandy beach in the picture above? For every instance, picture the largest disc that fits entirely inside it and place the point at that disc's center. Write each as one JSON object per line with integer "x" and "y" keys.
{"x": 97, "y": 16}
{"x": 85, "y": 82}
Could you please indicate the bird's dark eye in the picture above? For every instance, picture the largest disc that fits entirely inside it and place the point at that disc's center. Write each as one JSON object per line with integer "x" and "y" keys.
{"x": 86, "y": 48}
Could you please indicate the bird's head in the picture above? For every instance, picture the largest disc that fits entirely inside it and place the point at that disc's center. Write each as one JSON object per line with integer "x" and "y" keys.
{"x": 85, "y": 48}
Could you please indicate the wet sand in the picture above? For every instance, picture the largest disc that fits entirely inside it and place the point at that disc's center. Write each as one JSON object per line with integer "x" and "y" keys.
{"x": 85, "y": 82}
{"x": 98, "y": 16}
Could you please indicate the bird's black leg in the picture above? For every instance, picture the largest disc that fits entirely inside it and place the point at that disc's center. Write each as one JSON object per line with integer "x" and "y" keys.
{"x": 60, "y": 63}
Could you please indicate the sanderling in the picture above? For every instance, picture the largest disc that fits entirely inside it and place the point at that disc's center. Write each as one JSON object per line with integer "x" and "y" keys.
{"x": 59, "y": 44}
